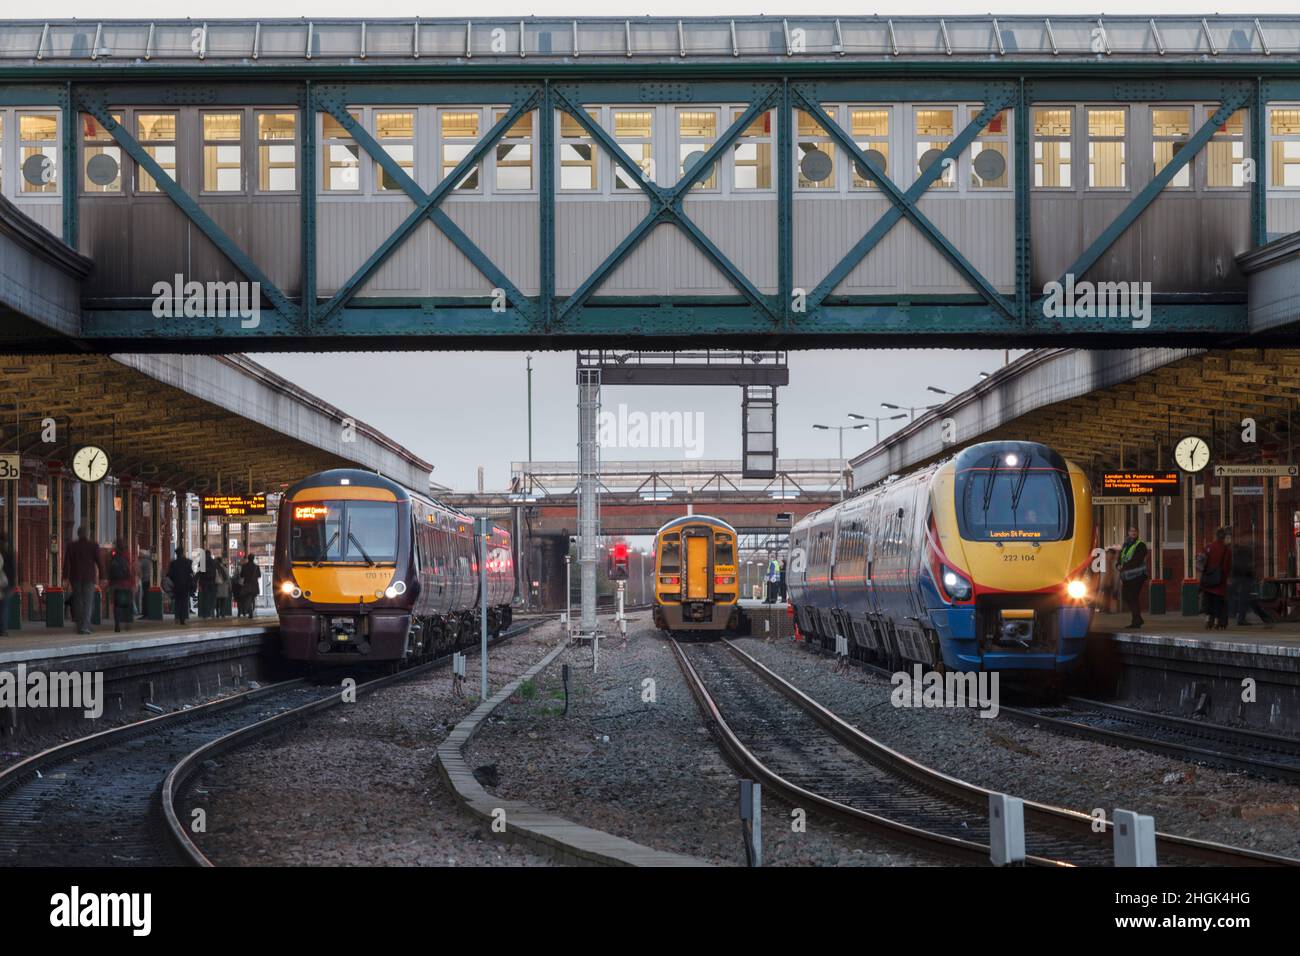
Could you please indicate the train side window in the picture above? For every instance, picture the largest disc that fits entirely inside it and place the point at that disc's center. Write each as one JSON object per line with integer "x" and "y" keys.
{"x": 670, "y": 554}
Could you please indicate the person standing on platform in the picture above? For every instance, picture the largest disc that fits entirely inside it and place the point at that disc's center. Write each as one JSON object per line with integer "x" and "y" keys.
{"x": 250, "y": 583}
{"x": 780, "y": 581}
{"x": 8, "y": 581}
{"x": 1216, "y": 569}
{"x": 181, "y": 575}
{"x": 143, "y": 575}
{"x": 221, "y": 588}
{"x": 1241, "y": 584}
{"x": 207, "y": 581}
{"x": 773, "y": 577}
{"x": 1132, "y": 575}
{"x": 81, "y": 568}
{"x": 121, "y": 586}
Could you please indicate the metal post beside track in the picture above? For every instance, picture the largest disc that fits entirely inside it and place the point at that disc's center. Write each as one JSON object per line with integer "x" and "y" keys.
{"x": 484, "y": 527}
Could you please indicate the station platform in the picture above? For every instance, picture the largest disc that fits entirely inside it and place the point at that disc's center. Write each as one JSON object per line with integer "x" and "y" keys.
{"x": 1174, "y": 664}
{"x": 155, "y": 665}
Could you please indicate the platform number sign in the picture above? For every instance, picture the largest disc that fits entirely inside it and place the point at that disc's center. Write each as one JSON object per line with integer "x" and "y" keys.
{"x": 9, "y": 470}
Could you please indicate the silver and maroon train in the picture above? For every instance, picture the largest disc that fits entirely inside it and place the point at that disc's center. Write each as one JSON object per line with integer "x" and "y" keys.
{"x": 367, "y": 569}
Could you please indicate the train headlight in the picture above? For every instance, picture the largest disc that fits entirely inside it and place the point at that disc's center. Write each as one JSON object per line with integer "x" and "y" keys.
{"x": 390, "y": 592}
{"x": 958, "y": 588}
{"x": 1077, "y": 590}
{"x": 288, "y": 587}
{"x": 399, "y": 587}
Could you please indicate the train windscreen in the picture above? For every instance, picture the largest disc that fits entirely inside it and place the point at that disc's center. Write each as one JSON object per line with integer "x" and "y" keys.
{"x": 344, "y": 532}
{"x": 670, "y": 554}
{"x": 1014, "y": 503}
{"x": 725, "y": 550}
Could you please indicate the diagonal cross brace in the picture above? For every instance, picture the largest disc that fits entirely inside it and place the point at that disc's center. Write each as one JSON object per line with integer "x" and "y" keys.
{"x": 905, "y": 204}
{"x": 426, "y": 206}
{"x": 1231, "y": 103}
{"x": 665, "y": 205}
{"x": 185, "y": 202}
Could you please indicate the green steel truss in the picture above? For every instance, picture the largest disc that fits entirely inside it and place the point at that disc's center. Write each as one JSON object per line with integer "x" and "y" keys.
{"x": 347, "y": 320}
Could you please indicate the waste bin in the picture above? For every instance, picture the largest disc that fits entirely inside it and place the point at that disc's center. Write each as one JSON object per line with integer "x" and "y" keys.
{"x": 55, "y": 615}
{"x": 15, "y": 622}
{"x": 1157, "y": 596}
{"x": 153, "y": 604}
{"x": 1191, "y": 599}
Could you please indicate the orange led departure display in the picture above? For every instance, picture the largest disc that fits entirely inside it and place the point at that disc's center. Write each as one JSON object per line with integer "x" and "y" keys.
{"x": 310, "y": 512}
{"x": 1141, "y": 484}
{"x": 234, "y": 506}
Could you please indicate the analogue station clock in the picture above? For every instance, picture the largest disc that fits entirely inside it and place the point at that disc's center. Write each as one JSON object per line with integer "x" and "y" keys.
{"x": 1192, "y": 454}
{"x": 90, "y": 463}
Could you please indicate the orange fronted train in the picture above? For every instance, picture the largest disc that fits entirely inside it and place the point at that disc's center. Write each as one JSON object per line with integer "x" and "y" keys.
{"x": 368, "y": 570}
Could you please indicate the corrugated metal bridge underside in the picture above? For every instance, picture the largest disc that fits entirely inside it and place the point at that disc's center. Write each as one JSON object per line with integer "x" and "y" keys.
{"x": 460, "y": 230}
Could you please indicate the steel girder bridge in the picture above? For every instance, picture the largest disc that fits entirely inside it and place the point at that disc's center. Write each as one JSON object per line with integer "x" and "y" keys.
{"x": 553, "y": 67}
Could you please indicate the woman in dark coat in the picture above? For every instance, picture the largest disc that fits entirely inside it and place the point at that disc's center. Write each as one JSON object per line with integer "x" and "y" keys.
{"x": 121, "y": 585}
{"x": 1214, "y": 580}
{"x": 250, "y": 580}
{"x": 181, "y": 575}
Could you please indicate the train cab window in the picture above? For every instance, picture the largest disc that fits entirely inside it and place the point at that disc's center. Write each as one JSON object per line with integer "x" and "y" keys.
{"x": 1053, "y": 153}
{"x": 277, "y": 152}
{"x": 724, "y": 550}
{"x": 1170, "y": 129}
{"x": 355, "y": 532}
{"x": 101, "y": 157}
{"x": 395, "y": 132}
{"x": 670, "y": 554}
{"x": 1225, "y": 154}
{"x": 1107, "y": 157}
{"x": 514, "y": 155}
{"x": 223, "y": 170}
{"x": 157, "y": 134}
{"x": 1004, "y": 502}
{"x": 934, "y": 128}
{"x": 1284, "y": 146}
{"x": 38, "y": 152}
{"x": 814, "y": 151}
{"x": 578, "y": 157}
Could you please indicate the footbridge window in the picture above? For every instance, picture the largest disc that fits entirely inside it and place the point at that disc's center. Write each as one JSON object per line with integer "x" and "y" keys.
{"x": 1284, "y": 146}
{"x": 101, "y": 157}
{"x": 1107, "y": 156}
{"x": 1053, "y": 153}
{"x": 1170, "y": 128}
{"x": 870, "y": 129}
{"x": 157, "y": 135}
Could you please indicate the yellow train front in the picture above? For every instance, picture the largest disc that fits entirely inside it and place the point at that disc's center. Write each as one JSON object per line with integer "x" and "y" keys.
{"x": 696, "y": 587}
{"x": 367, "y": 570}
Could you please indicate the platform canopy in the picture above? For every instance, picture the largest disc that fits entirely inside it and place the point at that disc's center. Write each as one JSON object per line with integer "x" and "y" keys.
{"x": 194, "y": 422}
{"x": 702, "y": 38}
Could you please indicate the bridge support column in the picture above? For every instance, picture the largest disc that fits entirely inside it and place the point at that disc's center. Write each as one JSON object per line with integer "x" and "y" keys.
{"x": 588, "y": 505}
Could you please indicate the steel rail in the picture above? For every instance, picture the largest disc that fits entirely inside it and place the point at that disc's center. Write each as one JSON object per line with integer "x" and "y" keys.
{"x": 1045, "y": 815}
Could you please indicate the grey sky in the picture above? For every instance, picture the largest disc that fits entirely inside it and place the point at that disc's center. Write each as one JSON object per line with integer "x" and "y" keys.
{"x": 460, "y": 410}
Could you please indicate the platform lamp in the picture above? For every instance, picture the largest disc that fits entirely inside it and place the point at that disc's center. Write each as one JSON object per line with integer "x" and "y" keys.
{"x": 877, "y": 419}
{"x": 910, "y": 409}
{"x": 842, "y": 429}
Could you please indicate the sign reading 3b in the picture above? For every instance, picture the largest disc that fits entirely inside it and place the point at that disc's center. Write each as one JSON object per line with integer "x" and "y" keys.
{"x": 9, "y": 468}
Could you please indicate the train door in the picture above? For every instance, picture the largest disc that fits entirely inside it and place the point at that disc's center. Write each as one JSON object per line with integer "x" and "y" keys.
{"x": 698, "y": 570}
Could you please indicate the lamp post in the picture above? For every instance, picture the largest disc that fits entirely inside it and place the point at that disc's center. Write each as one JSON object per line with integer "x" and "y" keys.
{"x": 877, "y": 419}
{"x": 842, "y": 429}
{"x": 910, "y": 409}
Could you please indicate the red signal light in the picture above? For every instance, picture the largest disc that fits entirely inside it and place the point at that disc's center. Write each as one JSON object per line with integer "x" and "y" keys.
{"x": 620, "y": 552}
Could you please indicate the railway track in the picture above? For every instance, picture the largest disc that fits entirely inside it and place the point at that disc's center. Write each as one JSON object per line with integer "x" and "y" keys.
{"x": 98, "y": 801}
{"x": 774, "y": 732}
{"x": 1274, "y": 756}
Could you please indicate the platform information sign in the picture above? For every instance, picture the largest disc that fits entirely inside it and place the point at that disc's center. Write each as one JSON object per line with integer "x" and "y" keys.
{"x": 1142, "y": 484}
{"x": 1255, "y": 471}
{"x": 234, "y": 506}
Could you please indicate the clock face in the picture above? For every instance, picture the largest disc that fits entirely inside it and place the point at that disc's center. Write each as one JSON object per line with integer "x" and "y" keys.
{"x": 90, "y": 463}
{"x": 1192, "y": 453}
